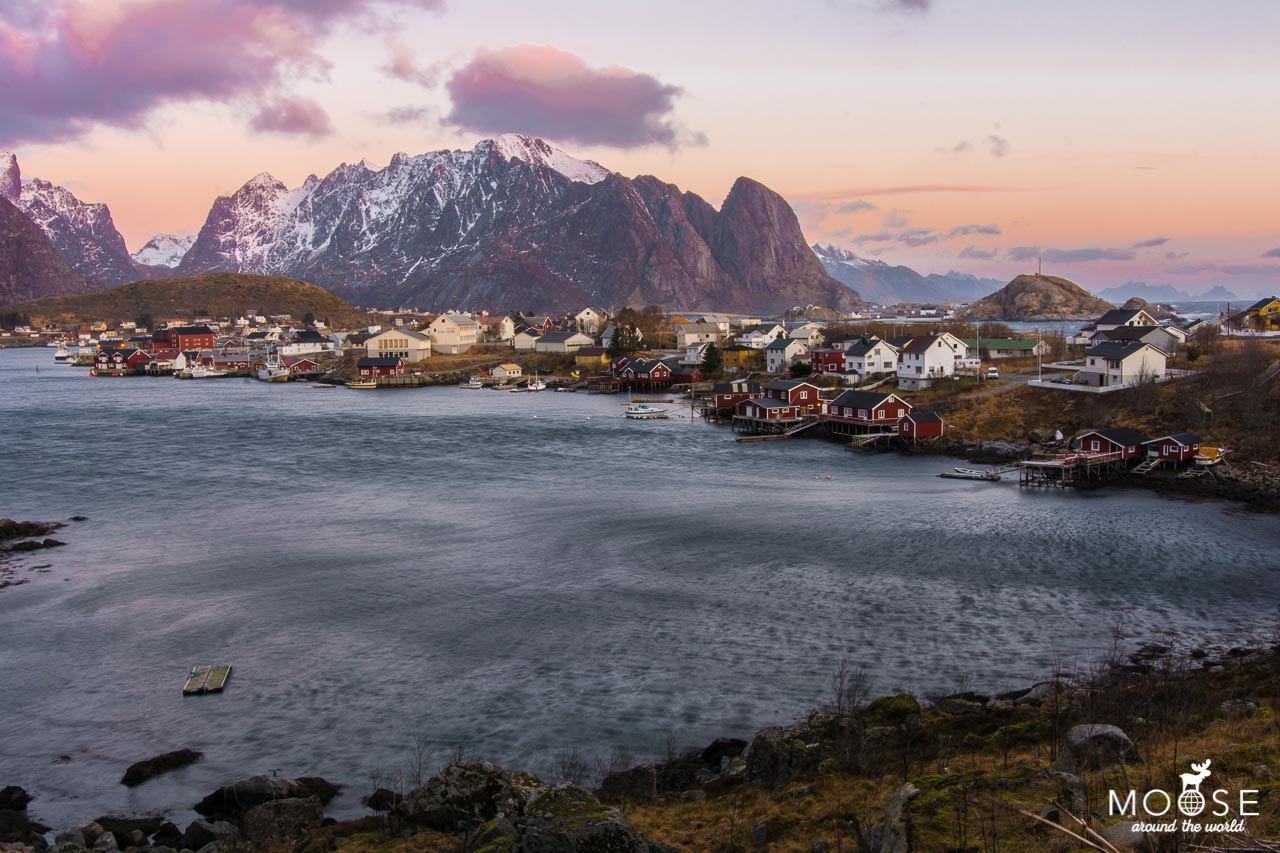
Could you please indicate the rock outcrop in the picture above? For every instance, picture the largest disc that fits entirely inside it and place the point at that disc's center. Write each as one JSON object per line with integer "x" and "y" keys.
{"x": 144, "y": 771}
{"x": 232, "y": 801}
{"x": 1040, "y": 297}
{"x": 29, "y": 265}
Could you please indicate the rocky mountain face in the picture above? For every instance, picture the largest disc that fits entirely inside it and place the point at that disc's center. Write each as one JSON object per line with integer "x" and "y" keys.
{"x": 164, "y": 250}
{"x": 29, "y": 266}
{"x": 516, "y": 224}
{"x": 82, "y": 234}
{"x": 1040, "y": 297}
{"x": 885, "y": 284}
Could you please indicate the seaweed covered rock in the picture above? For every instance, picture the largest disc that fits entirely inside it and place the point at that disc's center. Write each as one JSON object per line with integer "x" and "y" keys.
{"x": 144, "y": 771}
{"x": 637, "y": 785}
{"x": 234, "y": 800}
{"x": 464, "y": 796}
{"x": 567, "y": 819}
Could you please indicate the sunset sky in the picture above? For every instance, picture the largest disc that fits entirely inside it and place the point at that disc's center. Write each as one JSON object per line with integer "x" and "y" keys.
{"x": 1117, "y": 141}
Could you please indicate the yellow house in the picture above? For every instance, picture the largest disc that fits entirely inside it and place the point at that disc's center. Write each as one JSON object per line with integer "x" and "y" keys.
{"x": 737, "y": 356}
{"x": 592, "y": 358}
{"x": 1264, "y": 315}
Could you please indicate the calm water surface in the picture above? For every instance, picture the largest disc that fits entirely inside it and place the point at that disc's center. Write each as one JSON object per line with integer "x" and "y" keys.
{"x": 519, "y": 574}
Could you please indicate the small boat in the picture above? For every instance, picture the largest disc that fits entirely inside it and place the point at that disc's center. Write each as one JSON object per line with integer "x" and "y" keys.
{"x": 566, "y": 389}
{"x": 201, "y": 371}
{"x": 644, "y": 412}
{"x": 360, "y": 384}
{"x": 536, "y": 385}
{"x": 63, "y": 355}
{"x": 273, "y": 370}
{"x": 473, "y": 383}
{"x": 970, "y": 474}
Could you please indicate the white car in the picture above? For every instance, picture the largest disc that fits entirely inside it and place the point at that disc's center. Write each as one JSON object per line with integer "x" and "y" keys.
{"x": 993, "y": 373}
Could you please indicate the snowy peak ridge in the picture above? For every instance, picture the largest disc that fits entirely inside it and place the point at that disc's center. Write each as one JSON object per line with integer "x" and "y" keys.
{"x": 535, "y": 152}
{"x": 164, "y": 250}
{"x": 10, "y": 176}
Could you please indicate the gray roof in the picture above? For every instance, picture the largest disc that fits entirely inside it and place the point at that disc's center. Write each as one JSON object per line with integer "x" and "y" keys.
{"x": 1118, "y": 349}
{"x": 781, "y": 343}
{"x": 860, "y": 399}
{"x": 1122, "y": 436}
{"x": 1118, "y": 316}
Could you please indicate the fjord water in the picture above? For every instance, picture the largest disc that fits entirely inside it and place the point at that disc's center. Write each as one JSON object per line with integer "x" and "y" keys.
{"x": 520, "y": 574}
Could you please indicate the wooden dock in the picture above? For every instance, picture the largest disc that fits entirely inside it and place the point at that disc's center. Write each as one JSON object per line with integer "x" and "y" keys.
{"x": 207, "y": 679}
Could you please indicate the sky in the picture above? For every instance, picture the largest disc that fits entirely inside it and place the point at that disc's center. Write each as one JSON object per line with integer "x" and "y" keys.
{"x": 1110, "y": 142}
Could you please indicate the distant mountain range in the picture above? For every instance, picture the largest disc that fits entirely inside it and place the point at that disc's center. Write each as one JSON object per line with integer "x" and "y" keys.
{"x": 884, "y": 284}
{"x": 512, "y": 224}
{"x": 1163, "y": 293}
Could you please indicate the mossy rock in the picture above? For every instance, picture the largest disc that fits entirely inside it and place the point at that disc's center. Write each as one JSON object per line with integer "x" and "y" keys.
{"x": 568, "y": 819}
{"x": 464, "y": 796}
{"x": 896, "y": 710}
{"x": 497, "y": 836}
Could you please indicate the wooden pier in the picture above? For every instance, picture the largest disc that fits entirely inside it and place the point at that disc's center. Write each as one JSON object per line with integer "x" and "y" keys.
{"x": 1067, "y": 470}
{"x": 207, "y": 679}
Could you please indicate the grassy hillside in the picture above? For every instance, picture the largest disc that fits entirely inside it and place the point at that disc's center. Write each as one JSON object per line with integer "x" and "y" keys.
{"x": 211, "y": 295}
{"x": 1040, "y": 297}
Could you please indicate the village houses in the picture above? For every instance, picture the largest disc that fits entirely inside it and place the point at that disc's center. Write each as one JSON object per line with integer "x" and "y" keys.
{"x": 925, "y": 359}
{"x": 399, "y": 343}
{"x": 1121, "y": 363}
{"x": 779, "y": 354}
{"x": 453, "y": 333}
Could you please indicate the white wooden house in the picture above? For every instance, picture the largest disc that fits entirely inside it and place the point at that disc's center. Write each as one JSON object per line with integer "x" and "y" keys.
{"x": 927, "y": 358}
{"x": 453, "y": 333}
{"x": 1115, "y": 363}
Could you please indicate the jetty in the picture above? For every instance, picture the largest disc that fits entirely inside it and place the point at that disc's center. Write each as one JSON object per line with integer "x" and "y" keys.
{"x": 207, "y": 679}
{"x": 1066, "y": 470}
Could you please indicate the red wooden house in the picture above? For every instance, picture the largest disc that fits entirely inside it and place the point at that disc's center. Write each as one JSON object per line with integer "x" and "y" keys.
{"x": 768, "y": 409}
{"x": 299, "y": 366}
{"x": 1121, "y": 442}
{"x": 377, "y": 367}
{"x": 641, "y": 372}
{"x": 868, "y": 409}
{"x": 796, "y": 393}
{"x": 826, "y": 361}
{"x": 1174, "y": 449}
{"x": 190, "y": 337}
{"x": 726, "y": 395}
{"x": 917, "y": 426}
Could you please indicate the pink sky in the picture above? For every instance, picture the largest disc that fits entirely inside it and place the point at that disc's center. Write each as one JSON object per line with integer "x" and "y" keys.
{"x": 1120, "y": 144}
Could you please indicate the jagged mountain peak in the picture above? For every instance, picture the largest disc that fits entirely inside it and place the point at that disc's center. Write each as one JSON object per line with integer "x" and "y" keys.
{"x": 10, "y": 176}
{"x": 165, "y": 250}
{"x": 536, "y": 152}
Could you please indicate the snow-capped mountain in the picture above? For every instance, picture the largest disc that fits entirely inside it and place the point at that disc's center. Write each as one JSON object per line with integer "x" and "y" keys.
{"x": 885, "y": 284}
{"x": 514, "y": 223}
{"x": 83, "y": 234}
{"x": 29, "y": 266}
{"x": 164, "y": 250}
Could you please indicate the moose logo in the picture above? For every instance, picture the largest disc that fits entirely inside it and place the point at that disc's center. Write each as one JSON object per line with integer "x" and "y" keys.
{"x": 1158, "y": 810}
{"x": 1191, "y": 801}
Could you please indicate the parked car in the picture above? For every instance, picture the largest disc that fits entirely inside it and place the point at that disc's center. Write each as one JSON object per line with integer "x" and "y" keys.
{"x": 993, "y": 373}
{"x": 1061, "y": 380}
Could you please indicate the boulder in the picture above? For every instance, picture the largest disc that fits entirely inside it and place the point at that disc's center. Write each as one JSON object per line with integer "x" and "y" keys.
{"x": 1040, "y": 694}
{"x": 465, "y": 796}
{"x": 760, "y": 834}
{"x": 780, "y": 753}
{"x": 567, "y": 819}
{"x": 1094, "y": 747}
{"x": 637, "y": 785}
{"x": 106, "y": 841}
{"x": 897, "y": 710}
{"x": 17, "y": 828}
{"x": 122, "y": 826}
{"x": 14, "y": 799}
{"x": 153, "y": 767}
{"x": 281, "y": 821}
{"x": 382, "y": 800}
{"x": 1125, "y": 836}
{"x": 71, "y": 838}
{"x": 202, "y": 833}
{"x": 720, "y": 749}
{"x": 497, "y": 836}
{"x": 896, "y": 837}
{"x": 168, "y": 835}
{"x": 234, "y": 800}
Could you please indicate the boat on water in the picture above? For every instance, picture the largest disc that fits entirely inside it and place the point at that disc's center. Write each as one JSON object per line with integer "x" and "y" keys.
{"x": 473, "y": 383}
{"x": 970, "y": 474}
{"x": 645, "y": 412}
{"x": 202, "y": 371}
{"x": 63, "y": 355}
{"x": 536, "y": 385}
{"x": 273, "y": 370}
{"x": 361, "y": 384}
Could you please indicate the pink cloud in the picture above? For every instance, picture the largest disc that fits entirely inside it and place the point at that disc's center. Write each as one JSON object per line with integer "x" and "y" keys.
{"x": 545, "y": 91}
{"x": 68, "y": 66}
{"x": 301, "y": 116}
{"x": 403, "y": 65}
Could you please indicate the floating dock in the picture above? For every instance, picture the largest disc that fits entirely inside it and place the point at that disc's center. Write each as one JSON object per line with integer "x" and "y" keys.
{"x": 207, "y": 679}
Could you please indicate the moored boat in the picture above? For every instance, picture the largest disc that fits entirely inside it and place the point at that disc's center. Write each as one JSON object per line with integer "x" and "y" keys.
{"x": 473, "y": 383}
{"x": 644, "y": 411}
{"x": 273, "y": 370}
{"x": 361, "y": 384}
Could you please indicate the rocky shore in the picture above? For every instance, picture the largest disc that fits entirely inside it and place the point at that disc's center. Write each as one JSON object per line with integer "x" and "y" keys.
{"x": 18, "y": 538}
{"x": 1059, "y": 739}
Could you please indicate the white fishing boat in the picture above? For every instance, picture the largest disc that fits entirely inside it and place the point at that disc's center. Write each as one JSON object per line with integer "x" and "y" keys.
{"x": 273, "y": 370}
{"x": 645, "y": 412}
{"x": 362, "y": 384}
{"x": 202, "y": 371}
{"x": 473, "y": 383}
{"x": 63, "y": 355}
{"x": 536, "y": 385}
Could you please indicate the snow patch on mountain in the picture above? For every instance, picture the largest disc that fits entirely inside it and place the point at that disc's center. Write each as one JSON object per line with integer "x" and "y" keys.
{"x": 164, "y": 250}
{"x": 517, "y": 146}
